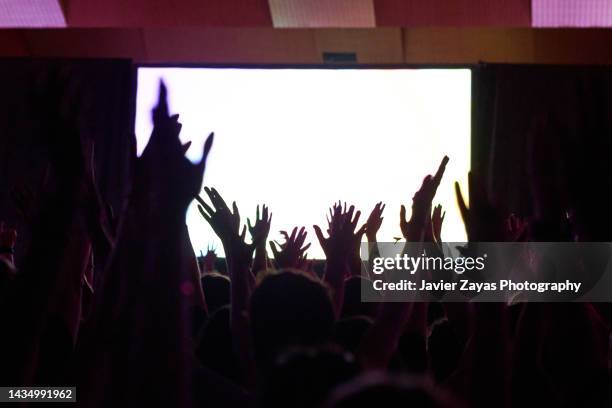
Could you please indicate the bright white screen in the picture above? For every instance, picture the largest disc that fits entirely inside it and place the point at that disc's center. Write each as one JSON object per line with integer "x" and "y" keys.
{"x": 301, "y": 139}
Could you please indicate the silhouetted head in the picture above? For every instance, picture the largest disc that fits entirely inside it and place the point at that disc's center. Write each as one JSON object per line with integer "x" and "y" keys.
{"x": 353, "y": 305}
{"x": 380, "y": 390}
{"x": 289, "y": 309}
{"x": 304, "y": 377}
{"x": 216, "y": 289}
{"x": 349, "y": 332}
{"x": 215, "y": 348}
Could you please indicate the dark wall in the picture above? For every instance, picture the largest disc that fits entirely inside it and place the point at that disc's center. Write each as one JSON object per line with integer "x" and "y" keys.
{"x": 542, "y": 137}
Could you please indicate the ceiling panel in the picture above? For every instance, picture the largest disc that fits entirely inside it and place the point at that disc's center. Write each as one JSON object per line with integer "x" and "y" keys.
{"x": 167, "y": 13}
{"x": 31, "y": 13}
{"x": 322, "y": 13}
{"x": 572, "y": 13}
{"x": 453, "y": 13}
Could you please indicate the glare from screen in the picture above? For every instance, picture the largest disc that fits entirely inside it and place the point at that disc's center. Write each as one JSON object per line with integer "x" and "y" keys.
{"x": 299, "y": 140}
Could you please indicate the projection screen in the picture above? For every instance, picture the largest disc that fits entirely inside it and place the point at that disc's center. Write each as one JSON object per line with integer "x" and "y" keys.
{"x": 301, "y": 139}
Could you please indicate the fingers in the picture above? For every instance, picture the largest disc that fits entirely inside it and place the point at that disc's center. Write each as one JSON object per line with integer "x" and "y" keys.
{"x": 204, "y": 214}
{"x": 207, "y": 146}
{"x": 293, "y": 232}
{"x": 355, "y": 220}
{"x": 205, "y": 206}
{"x": 438, "y": 177}
{"x": 349, "y": 214}
{"x": 216, "y": 199}
{"x": 185, "y": 147}
{"x": 403, "y": 219}
{"x": 361, "y": 231}
{"x": 274, "y": 246}
{"x": 160, "y": 112}
{"x": 319, "y": 235}
{"x": 301, "y": 237}
{"x": 436, "y": 211}
{"x": 463, "y": 209}
{"x": 212, "y": 197}
{"x": 235, "y": 215}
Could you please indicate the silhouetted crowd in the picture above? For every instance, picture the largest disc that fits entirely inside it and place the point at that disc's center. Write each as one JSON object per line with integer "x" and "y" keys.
{"x": 116, "y": 303}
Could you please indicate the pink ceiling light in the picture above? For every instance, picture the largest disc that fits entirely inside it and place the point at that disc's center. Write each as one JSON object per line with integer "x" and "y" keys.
{"x": 31, "y": 13}
{"x": 571, "y": 13}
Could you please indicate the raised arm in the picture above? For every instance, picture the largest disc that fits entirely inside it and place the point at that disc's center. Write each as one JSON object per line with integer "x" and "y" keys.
{"x": 292, "y": 253}
{"x": 239, "y": 258}
{"x": 140, "y": 318}
{"x": 259, "y": 235}
{"x": 381, "y": 341}
{"x": 372, "y": 226}
{"x": 339, "y": 248}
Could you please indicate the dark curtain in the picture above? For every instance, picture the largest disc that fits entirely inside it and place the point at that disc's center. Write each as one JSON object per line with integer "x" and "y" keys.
{"x": 102, "y": 94}
{"x": 542, "y": 140}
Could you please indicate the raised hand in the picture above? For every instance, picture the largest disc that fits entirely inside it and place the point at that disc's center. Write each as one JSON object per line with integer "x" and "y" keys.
{"x": 261, "y": 227}
{"x": 226, "y": 224}
{"x": 374, "y": 221}
{"x": 163, "y": 168}
{"x": 209, "y": 260}
{"x": 413, "y": 230}
{"x": 437, "y": 219}
{"x": 343, "y": 236}
{"x": 339, "y": 248}
{"x": 259, "y": 234}
{"x": 482, "y": 221}
{"x": 239, "y": 257}
{"x": 292, "y": 253}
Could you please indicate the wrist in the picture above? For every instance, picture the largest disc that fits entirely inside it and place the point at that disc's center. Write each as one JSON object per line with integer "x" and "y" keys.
{"x": 336, "y": 267}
